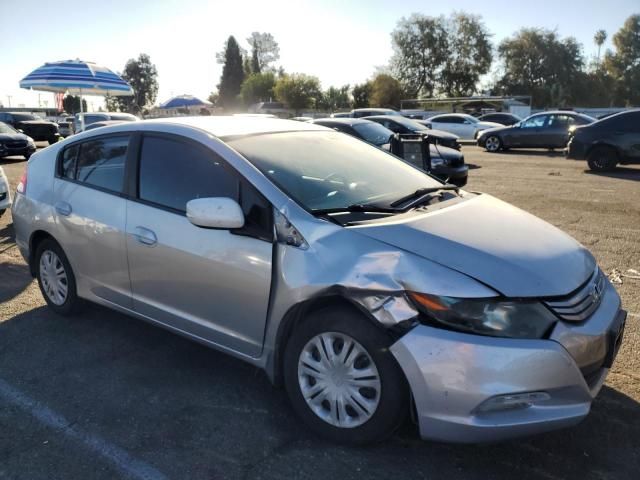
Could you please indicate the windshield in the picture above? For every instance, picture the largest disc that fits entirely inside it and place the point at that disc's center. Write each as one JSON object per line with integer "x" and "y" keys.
{"x": 410, "y": 124}
{"x": 373, "y": 133}
{"x": 23, "y": 117}
{"x": 123, "y": 116}
{"x": 4, "y": 128}
{"x": 326, "y": 170}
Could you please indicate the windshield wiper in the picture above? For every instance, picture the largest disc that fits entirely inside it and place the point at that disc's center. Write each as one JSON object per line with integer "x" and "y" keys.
{"x": 356, "y": 207}
{"x": 418, "y": 195}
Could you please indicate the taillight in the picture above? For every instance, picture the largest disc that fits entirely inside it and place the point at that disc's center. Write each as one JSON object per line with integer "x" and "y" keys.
{"x": 22, "y": 185}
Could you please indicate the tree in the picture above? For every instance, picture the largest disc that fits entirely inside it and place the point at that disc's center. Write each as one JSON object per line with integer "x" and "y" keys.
{"x": 361, "y": 94}
{"x": 257, "y": 87}
{"x": 624, "y": 64}
{"x": 386, "y": 92}
{"x": 420, "y": 52}
{"x": 264, "y": 51}
{"x": 335, "y": 99}
{"x": 599, "y": 38}
{"x": 232, "y": 74}
{"x": 538, "y": 63}
{"x": 213, "y": 98}
{"x": 142, "y": 75}
{"x": 469, "y": 55}
{"x": 71, "y": 104}
{"x": 298, "y": 90}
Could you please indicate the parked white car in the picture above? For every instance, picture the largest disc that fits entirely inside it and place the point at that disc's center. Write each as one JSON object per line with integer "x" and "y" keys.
{"x": 5, "y": 193}
{"x": 460, "y": 124}
{"x": 93, "y": 117}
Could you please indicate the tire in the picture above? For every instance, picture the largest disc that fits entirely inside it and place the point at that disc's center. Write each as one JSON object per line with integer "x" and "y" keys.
{"x": 602, "y": 159}
{"x": 493, "y": 143}
{"x": 374, "y": 407}
{"x": 2, "y": 210}
{"x": 49, "y": 260}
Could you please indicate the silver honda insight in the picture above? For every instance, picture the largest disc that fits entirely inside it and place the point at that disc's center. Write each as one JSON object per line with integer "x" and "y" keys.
{"x": 363, "y": 285}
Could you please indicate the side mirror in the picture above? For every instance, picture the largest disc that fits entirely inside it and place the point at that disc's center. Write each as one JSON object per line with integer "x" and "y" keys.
{"x": 20, "y": 130}
{"x": 215, "y": 212}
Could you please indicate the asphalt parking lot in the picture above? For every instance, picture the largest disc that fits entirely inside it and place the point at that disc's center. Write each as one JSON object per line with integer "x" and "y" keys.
{"x": 101, "y": 395}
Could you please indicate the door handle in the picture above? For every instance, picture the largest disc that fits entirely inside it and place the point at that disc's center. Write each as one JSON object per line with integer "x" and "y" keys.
{"x": 145, "y": 236}
{"x": 63, "y": 208}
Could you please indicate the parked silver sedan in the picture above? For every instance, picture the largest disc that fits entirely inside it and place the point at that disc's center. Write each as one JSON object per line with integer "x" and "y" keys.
{"x": 351, "y": 277}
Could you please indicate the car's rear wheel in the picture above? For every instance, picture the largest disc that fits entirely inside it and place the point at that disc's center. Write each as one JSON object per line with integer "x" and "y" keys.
{"x": 341, "y": 378}
{"x": 493, "y": 143}
{"x": 55, "y": 278}
{"x": 602, "y": 159}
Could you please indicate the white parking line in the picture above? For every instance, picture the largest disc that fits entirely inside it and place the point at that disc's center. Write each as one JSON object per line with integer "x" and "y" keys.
{"x": 114, "y": 454}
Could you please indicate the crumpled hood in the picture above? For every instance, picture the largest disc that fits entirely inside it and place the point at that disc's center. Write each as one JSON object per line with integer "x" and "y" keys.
{"x": 504, "y": 247}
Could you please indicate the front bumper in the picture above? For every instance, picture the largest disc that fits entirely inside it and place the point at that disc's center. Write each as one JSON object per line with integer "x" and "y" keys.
{"x": 455, "y": 175}
{"x": 575, "y": 150}
{"x": 6, "y": 151}
{"x": 451, "y": 374}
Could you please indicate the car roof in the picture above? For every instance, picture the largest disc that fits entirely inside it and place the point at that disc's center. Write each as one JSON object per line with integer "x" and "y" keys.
{"x": 374, "y": 109}
{"x": 224, "y": 126}
{"x": 343, "y": 120}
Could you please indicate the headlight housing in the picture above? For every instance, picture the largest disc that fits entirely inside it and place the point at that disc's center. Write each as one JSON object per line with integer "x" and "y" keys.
{"x": 487, "y": 316}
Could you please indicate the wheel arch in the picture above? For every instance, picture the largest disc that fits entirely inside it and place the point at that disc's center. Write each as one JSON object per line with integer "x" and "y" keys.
{"x": 36, "y": 238}
{"x": 297, "y": 313}
{"x": 600, "y": 144}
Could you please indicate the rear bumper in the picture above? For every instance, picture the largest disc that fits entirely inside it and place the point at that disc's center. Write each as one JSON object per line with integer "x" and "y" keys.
{"x": 452, "y": 375}
{"x": 455, "y": 175}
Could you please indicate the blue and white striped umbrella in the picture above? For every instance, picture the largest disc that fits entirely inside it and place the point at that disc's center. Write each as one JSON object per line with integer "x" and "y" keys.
{"x": 76, "y": 77}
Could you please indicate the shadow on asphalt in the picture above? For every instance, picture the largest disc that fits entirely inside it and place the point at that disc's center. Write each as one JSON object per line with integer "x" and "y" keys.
{"x": 192, "y": 412}
{"x": 623, "y": 173}
{"x": 533, "y": 153}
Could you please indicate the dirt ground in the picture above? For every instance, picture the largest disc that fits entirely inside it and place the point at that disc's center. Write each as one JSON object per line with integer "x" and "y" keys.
{"x": 104, "y": 396}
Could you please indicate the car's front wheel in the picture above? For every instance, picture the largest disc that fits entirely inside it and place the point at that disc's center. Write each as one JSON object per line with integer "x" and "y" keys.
{"x": 55, "y": 278}
{"x": 493, "y": 143}
{"x": 341, "y": 378}
{"x": 602, "y": 159}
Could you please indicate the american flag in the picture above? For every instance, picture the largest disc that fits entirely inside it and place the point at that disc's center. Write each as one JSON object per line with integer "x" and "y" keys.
{"x": 59, "y": 99}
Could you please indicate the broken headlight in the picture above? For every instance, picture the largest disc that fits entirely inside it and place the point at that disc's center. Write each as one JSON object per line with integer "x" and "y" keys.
{"x": 487, "y": 316}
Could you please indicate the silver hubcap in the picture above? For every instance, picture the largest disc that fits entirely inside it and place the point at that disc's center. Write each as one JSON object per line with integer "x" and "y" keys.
{"x": 53, "y": 277}
{"x": 339, "y": 380}
{"x": 492, "y": 144}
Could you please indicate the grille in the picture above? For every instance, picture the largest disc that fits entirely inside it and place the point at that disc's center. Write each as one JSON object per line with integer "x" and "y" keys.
{"x": 579, "y": 305}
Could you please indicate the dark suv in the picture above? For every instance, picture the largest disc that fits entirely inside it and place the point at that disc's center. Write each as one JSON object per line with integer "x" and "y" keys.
{"x": 607, "y": 142}
{"x": 35, "y": 127}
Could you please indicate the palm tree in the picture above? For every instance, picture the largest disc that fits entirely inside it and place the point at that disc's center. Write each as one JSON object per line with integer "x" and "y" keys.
{"x": 600, "y": 38}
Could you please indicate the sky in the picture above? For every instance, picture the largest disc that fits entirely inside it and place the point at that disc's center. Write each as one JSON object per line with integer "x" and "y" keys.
{"x": 339, "y": 41}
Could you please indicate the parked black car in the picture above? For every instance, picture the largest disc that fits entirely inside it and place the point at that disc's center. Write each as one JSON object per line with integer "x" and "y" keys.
{"x": 541, "y": 130}
{"x": 502, "y": 118}
{"x": 34, "y": 127}
{"x": 406, "y": 126}
{"x": 607, "y": 142}
{"x": 445, "y": 163}
{"x": 13, "y": 142}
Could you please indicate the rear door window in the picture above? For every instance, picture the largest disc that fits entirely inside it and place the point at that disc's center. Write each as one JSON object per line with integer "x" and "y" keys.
{"x": 98, "y": 163}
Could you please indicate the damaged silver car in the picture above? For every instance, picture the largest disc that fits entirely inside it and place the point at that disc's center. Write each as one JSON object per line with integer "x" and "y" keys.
{"x": 367, "y": 288}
